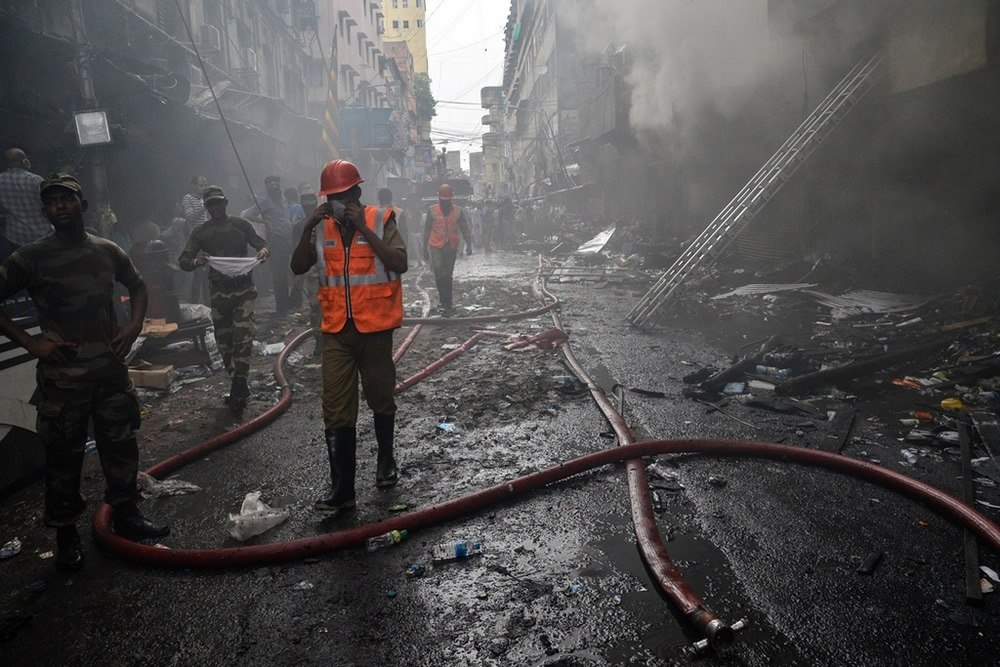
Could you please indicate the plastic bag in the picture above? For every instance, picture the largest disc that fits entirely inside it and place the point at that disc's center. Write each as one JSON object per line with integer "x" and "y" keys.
{"x": 194, "y": 312}
{"x": 255, "y": 517}
{"x": 150, "y": 487}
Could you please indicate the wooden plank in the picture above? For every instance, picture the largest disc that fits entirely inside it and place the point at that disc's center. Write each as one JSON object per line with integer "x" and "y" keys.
{"x": 839, "y": 429}
{"x": 973, "y": 591}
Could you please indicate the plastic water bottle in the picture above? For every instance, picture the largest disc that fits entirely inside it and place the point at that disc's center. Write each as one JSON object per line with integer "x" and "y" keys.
{"x": 385, "y": 540}
{"x": 456, "y": 550}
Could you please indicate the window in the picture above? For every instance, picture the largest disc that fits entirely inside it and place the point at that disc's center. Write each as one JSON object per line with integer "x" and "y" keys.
{"x": 418, "y": 2}
{"x": 395, "y": 4}
{"x": 395, "y": 25}
{"x": 406, "y": 24}
{"x": 420, "y": 23}
{"x": 406, "y": 4}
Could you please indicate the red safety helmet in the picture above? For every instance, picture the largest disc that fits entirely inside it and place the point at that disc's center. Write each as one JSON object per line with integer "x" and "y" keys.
{"x": 445, "y": 193}
{"x": 338, "y": 176}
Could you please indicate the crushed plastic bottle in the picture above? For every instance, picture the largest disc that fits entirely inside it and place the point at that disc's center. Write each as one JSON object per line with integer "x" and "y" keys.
{"x": 952, "y": 404}
{"x": 662, "y": 471}
{"x": 10, "y": 549}
{"x": 385, "y": 540}
{"x": 456, "y": 550}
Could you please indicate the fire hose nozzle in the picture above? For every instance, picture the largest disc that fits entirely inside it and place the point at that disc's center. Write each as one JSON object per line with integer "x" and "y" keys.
{"x": 720, "y": 635}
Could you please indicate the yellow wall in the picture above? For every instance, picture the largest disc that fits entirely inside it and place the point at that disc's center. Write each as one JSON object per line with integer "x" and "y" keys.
{"x": 414, "y": 36}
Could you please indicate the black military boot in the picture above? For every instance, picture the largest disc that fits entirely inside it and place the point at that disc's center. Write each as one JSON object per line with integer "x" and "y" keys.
{"x": 132, "y": 525}
{"x": 341, "y": 444}
{"x": 239, "y": 392}
{"x": 386, "y": 474}
{"x": 69, "y": 555}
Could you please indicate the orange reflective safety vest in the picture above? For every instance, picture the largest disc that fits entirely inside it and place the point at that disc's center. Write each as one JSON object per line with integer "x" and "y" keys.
{"x": 445, "y": 227}
{"x": 355, "y": 284}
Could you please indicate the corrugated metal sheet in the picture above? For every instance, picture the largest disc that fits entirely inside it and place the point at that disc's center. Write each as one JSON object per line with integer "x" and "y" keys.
{"x": 771, "y": 241}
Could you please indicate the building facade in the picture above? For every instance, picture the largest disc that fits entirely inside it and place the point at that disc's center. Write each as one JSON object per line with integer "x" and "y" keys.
{"x": 405, "y": 22}
{"x": 541, "y": 84}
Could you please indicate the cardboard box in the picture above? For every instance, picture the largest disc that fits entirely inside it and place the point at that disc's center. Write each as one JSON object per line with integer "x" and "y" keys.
{"x": 151, "y": 376}
{"x": 158, "y": 328}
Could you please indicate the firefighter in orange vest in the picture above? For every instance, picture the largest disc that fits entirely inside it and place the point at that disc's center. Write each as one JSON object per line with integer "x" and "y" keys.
{"x": 443, "y": 222}
{"x": 360, "y": 255}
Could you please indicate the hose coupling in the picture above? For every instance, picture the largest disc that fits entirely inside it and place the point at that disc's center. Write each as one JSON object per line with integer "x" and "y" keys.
{"x": 719, "y": 635}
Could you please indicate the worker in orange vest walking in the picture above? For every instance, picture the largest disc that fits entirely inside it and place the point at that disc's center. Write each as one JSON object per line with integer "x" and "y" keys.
{"x": 443, "y": 222}
{"x": 360, "y": 255}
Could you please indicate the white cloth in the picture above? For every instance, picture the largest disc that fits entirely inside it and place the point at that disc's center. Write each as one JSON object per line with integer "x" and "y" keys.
{"x": 233, "y": 266}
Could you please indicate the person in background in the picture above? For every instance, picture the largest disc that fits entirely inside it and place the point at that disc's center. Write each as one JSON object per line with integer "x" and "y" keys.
{"x": 402, "y": 220}
{"x": 226, "y": 238}
{"x": 306, "y": 287}
{"x": 296, "y": 214}
{"x": 82, "y": 377}
{"x": 360, "y": 257}
{"x": 477, "y": 226}
{"x": 272, "y": 211}
{"x": 195, "y": 215}
{"x": 23, "y": 218}
{"x": 443, "y": 223}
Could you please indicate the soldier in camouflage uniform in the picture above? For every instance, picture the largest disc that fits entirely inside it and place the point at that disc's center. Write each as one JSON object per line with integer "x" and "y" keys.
{"x": 70, "y": 276}
{"x": 233, "y": 296}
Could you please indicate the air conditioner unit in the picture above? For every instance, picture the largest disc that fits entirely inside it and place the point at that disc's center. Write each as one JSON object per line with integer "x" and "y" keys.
{"x": 249, "y": 59}
{"x": 211, "y": 40}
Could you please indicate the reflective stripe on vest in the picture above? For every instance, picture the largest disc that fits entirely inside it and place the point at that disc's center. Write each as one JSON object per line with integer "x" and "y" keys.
{"x": 444, "y": 228}
{"x": 356, "y": 285}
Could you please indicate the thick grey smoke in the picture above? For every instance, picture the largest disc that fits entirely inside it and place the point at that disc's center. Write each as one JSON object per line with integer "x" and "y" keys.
{"x": 691, "y": 54}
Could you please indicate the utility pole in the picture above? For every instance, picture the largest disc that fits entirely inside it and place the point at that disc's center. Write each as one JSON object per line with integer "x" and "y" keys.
{"x": 95, "y": 154}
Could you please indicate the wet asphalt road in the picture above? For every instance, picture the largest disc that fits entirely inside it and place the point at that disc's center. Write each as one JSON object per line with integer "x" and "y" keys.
{"x": 774, "y": 543}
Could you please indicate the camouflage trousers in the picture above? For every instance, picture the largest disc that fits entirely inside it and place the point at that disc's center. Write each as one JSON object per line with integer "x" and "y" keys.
{"x": 235, "y": 326}
{"x": 63, "y": 416}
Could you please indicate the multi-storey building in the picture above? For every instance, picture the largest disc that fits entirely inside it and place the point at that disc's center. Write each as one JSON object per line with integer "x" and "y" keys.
{"x": 371, "y": 118}
{"x": 213, "y": 88}
{"x": 494, "y": 143}
{"x": 541, "y": 79}
{"x": 404, "y": 22}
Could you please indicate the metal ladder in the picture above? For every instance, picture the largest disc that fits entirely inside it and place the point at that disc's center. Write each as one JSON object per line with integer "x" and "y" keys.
{"x": 755, "y": 194}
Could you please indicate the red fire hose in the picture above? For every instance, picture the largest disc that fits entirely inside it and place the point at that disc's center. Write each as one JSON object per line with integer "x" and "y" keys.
{"x": 719, "y": 634}
{"x": 269, "y": 553}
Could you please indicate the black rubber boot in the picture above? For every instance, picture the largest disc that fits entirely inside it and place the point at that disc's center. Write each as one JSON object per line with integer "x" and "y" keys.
{"x": 132, "y": 525}
{"x": 69, "y": 552}
{"x": 341, "y": 444}
{"x": 386, "y": 474}
{"x": 239, "y": 392}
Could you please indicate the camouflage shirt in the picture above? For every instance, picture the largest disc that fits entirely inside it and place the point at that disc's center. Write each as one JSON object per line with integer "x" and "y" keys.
{"x": 72, "y": 287}
{"x": 228, "y": 238}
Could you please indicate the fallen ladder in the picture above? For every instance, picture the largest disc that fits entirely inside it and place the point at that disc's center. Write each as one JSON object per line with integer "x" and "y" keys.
{"x": 755, "y": 194}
